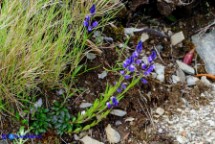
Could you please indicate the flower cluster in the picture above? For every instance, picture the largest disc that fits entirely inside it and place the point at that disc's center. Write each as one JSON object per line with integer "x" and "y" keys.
{"x": 88, "y": 22}
{"x": 135, "y": 64}
{"x": 113, "y": 102}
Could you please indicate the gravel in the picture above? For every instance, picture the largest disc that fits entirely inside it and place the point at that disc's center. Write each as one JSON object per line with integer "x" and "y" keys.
{"x": 191, "y": 125}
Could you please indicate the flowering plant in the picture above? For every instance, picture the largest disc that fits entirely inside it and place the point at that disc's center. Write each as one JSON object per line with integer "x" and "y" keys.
{"x": 88, "y": 19}
{"x": 134, "y": 66}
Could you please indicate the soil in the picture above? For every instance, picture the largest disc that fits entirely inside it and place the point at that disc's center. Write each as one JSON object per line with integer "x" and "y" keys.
{"x": 140, "y": 100}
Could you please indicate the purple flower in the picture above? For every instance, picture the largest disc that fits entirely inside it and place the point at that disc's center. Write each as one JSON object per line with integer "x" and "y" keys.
{"x": 95, "y": 24}
{"x": 108, "y": 104}
{"x": 144, "y": 81}
{"x": 119, "y": 90}
{"x": 138, "y": 61}
{"x": 139, "y": 47}
{"x": 152, "y": 57}
{"x": 131, "y": 68}
{"x": 127, "y": 62}
{"x": 93, "y": 9}
{"x": 114, "y": 101}
{"x": 127, "y": 77}
{"x": 149, "y": 70}
{"x": 122, "y": 72}
{"x": 135, "y": 54}
{"x": 123, "y": 86}
{"x": 143, "y": 66}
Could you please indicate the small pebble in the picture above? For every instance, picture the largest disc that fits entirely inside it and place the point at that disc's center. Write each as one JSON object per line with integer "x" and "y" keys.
{"x": 118, "y": 112}
{"x": 191, "y": 81}
{"x": 186, "y": 68}
{"x": 177, "y": 38}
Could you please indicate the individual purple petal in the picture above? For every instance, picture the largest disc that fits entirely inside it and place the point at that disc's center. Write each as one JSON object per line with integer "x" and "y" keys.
{"x": 119, "y": 90}
{"x": 152, "y": 57}
{"x": 127, "y": 62}
{"x": 93, "y": 9}
{"x": 138, "y": 61}
{"x": 144, "y": 81}
{"x": 122, "y": 72}
{"x": 127, "y": 77}
{"x": 89, "y": 28}
{"x": 123, "y": 86}
{"x": 135, "y": 54}
{"x": 108, "y": 104}
{"x": 143, "y": 66}
{"x": 149, "y": 70}
{"x": 87, "y": 18}
{"x": 131, "y": 68}
{"x": 95, "y": 24}
{"x": 114, "y": 101}
{"x": 139, "y": 47}
{"x": 85, "y": 23}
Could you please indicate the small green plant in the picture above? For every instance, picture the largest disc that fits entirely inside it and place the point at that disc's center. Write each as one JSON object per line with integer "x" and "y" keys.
{"x": 60, "y": 118}
{"x": 41, "y": 121}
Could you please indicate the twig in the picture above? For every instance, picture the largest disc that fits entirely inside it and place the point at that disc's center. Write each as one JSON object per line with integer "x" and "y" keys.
{"x": 159, "y": 56}
{"x": 211, "y": 76}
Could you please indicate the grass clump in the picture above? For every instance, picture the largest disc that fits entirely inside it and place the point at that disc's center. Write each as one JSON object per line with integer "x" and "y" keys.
{"x": 41, "y": 45}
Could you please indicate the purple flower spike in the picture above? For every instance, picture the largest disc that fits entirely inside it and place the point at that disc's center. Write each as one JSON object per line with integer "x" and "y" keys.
{"x": 149, "y": 70}
{"x": 95, "y": 24}
{"x": 127, "y": 77}
{"x": 108, "y": 105}
{"x": 114, "y": 101}
{"x": 144, "y": 81}
{"x": 139, "y": 47}
{"x": 131, "y": 68}
{"x": 93, "y": 9}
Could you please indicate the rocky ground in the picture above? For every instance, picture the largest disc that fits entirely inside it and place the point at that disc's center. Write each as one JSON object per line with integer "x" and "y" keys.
{"x": 176, "y": 106}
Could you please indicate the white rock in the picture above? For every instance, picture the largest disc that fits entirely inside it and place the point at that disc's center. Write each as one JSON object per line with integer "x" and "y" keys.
{"x": 129, "y": 119}
{"x": 85, "y": 105}
{"x": 191, "y": 81}
{"x": 186, "y": 68}
{"x": 181, "y": 75}
{"x": 102, "y": 75}
{"x": 211, "y": 123}
{"x": 205, "y": 47}
{"x": 181, "y": 139}
{"x": 159, "y": 68}
{"x": 144, "y": 37}
{"x": 159, "y": 111}
{"x": 117, "y": 123}
{"x": 175, "y": 79}
{"x": 89, "y": 140}
{"x": 90, "y": 56}
{"x": 205, "y": 81}
{"x": 177, "y": 38}
{"x": 118, "y": 112}
{"x": 161, "y": 77}
{"x": 112, "y": 135}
